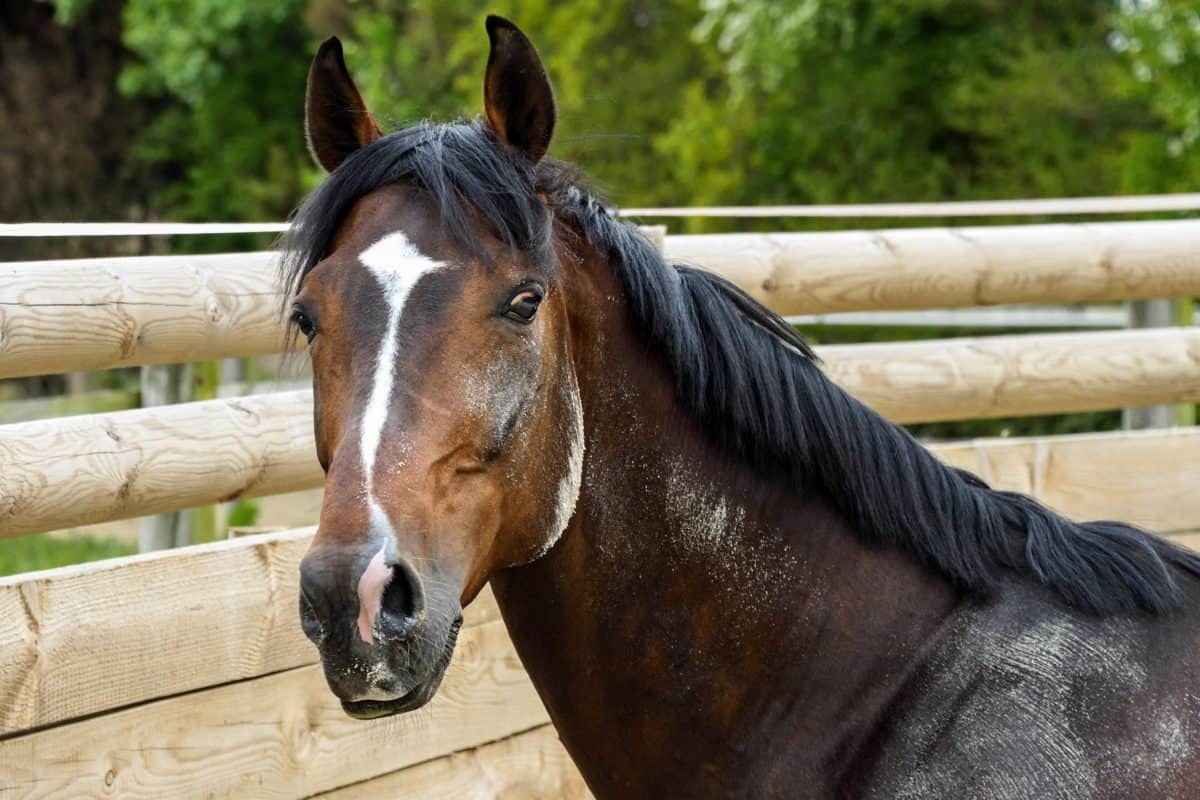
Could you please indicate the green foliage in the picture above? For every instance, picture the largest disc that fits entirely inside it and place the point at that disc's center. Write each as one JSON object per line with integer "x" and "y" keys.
{"x": 1161, "y": 45}
{"x": 833, "y": 101}
{"x": 243, "y": 514}
{"x": 230, "y": 80}
{"x": 43, "y": 551}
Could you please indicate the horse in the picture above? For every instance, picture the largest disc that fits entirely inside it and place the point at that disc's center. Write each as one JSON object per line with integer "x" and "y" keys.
{"x": 724, "y": 575}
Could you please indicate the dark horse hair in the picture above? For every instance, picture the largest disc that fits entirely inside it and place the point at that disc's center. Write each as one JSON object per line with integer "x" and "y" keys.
{"x": 754, "y": 384}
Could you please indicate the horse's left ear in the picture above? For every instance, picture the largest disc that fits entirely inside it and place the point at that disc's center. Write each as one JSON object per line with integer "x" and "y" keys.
{"x": 517, "y": 97}
{"x": 336, "y": 120}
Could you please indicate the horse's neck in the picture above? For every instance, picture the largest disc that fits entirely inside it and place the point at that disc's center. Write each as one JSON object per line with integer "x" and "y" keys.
{"x": 692, "y": 608}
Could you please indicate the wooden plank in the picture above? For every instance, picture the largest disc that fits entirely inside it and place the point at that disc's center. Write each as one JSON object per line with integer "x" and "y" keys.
{"x": 280, "y": 736}
{"x": 65, "y": 473}
{"x": 69, "y": 472}
{"x": 85, "y": 314}
{"x": 1143, "y": 477}
{"x": 89, "y": 638}
{"x": 59, "y": 316}
{"x": 814, "y": 273}
{"x": 529, "y": 766}
{"x": 1004, "y": 376}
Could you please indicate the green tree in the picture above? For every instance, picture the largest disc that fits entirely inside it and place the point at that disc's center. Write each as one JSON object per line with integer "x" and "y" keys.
{"x": 834, "y": 101}
{"x": 229, "y": 144}
{"x": 1161, "y": 44}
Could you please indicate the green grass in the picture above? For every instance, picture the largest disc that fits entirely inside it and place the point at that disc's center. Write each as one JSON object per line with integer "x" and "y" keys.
{"x": 41, "y": 551}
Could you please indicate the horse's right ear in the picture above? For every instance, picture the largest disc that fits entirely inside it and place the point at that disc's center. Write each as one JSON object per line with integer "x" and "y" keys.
{"x": 336, "y": 121}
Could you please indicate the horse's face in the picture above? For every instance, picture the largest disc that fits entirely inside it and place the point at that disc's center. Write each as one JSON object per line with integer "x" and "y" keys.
{"x": 448, "y": 417}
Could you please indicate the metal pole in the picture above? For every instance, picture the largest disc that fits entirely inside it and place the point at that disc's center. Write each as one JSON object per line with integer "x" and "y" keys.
{"x": 163, "y": 385}
{"x": 1150, "y": 314}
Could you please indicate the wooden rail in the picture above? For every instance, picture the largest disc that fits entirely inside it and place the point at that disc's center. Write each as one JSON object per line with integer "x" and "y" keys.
{"x": 81, "y": 470}
{"x": 62, "y": 316}
{"x": 83, "y": 314}
{"x": 1002, "y": 376}
{"x": 814, "y": 273}
{"x": 60, "y": 473}
{"x": 278, "y": 736}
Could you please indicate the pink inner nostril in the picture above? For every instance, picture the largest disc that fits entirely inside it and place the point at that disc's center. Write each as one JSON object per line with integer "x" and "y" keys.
{"x": 370, "y": 595}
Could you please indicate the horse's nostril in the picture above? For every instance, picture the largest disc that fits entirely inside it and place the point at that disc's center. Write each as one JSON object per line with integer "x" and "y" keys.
{"x": 401, "y": 602}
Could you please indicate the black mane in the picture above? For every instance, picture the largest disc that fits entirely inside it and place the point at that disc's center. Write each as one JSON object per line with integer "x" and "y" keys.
{"x": 754, "y": 383}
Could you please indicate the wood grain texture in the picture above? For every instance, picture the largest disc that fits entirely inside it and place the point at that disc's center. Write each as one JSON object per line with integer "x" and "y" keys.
{"x": 85, "y": 314}
{"x": 814, "y": 273}
{"x": 1003, "y": 376}
{"x": 529, "y": 766}
{"x": 59, "y": 316}
{"x": 280, "y": 736}
{"x": 89, "y": 638}
{"x": 61, "y": 473}
{"x": 1144, "y": 477}
{"x": 78, "y": 471}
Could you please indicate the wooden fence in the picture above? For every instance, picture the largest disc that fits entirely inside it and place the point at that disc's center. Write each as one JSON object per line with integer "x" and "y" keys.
{"x": 184, "y": 672}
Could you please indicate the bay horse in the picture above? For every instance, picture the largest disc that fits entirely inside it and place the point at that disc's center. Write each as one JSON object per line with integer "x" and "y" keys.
{"x": 725, "y": 576}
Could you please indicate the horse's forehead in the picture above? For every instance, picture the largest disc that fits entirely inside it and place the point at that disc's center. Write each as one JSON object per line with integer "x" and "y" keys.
{"x": 377, "y": 214}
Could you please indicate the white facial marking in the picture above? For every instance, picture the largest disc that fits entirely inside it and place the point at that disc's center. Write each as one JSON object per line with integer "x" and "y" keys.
{"x": 568, "y": 487}
{"x": 397, "y": 264}
{"x": 371, "y": 584}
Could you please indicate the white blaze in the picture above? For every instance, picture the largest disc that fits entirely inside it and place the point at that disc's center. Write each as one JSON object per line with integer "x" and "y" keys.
{"x": 397, "y": 264}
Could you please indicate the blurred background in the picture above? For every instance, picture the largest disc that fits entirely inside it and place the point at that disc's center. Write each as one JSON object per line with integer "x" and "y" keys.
{"x": 192, "y": 110}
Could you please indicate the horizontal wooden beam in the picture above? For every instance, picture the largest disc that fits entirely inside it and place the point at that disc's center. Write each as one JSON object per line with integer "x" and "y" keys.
{"x": 62, "y": 316}
{"x": 531, "y": 766}
{"x": 817, "y": 273}
{"x": 279, "y": 736}
{"x": 195, "y": 616}
{"x": 83, "y": 470}
{"x": 212, "y": 614}
{"x": 1144, "y": 477}
{"x": 1003, "y": 376}
{"x": 85, "y": 314}
{"x": 60, "y": 473}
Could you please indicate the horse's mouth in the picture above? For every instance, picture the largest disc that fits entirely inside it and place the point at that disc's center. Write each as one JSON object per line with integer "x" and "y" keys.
{"x": 373, "y": 709}
{"x": 416, "y": 697}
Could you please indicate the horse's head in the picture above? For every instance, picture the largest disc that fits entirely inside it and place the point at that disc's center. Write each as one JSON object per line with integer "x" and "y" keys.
{"x": 448, "y": 417}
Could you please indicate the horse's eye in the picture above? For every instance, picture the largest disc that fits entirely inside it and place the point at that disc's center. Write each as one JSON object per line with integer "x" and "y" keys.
{"x": 304, "y": 323}
{"x": 524, "y": 305}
